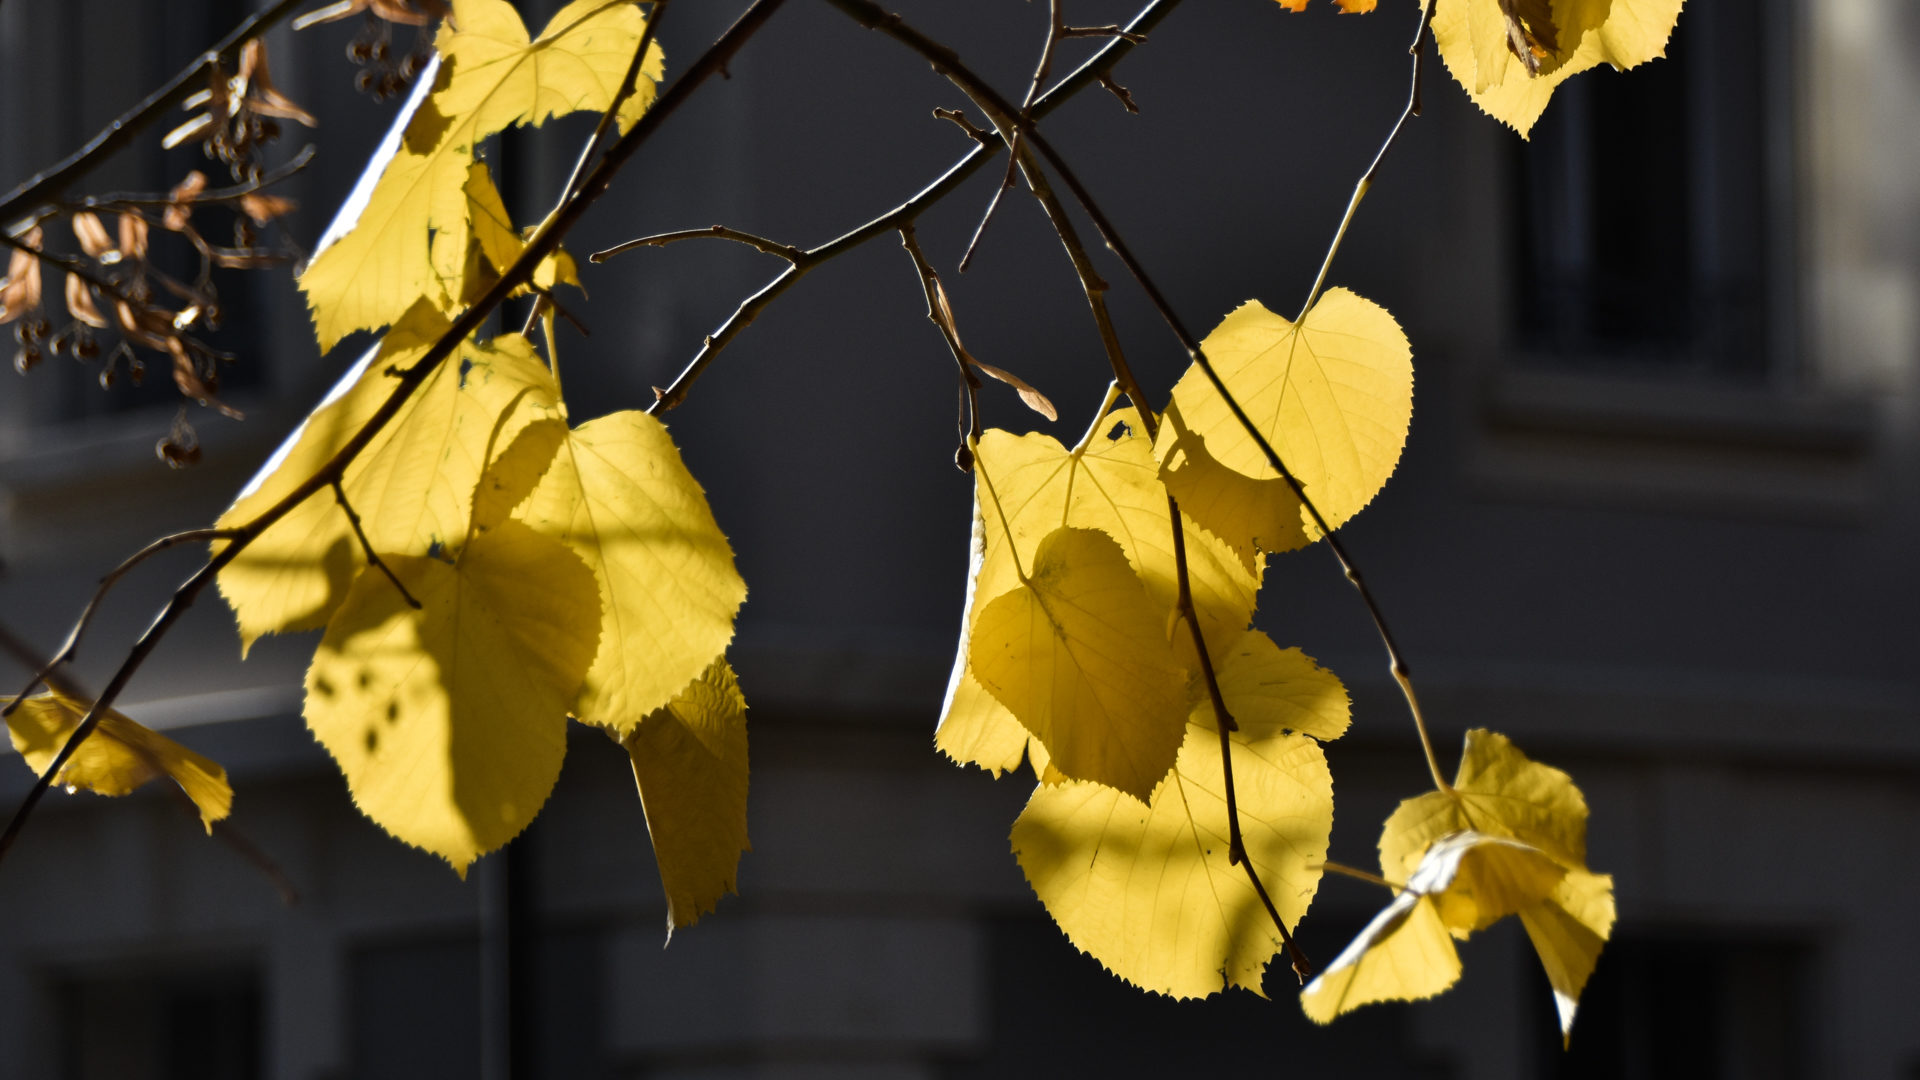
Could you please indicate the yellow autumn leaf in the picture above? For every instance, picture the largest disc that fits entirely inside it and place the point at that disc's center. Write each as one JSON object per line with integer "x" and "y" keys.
{"x": 1332, "y": 396}
{"x": 492, "y": 77}
{"x": 412, "y": 486}
{"x": 1148, "y": 890}
{"x": 690, "y": 762}
{"x": 118, "y": 757}
{"x": 1465, "y": 882}
{"x": 450, "y": 721}
{"x": 619, "y": 496}
{"x": 1510, "y": 55}
{"x": 1499, "y": 792}
{"x": 1078, "y": 653}
{"x": 1108, "y": 482}
{"x": 1568, "y": 932}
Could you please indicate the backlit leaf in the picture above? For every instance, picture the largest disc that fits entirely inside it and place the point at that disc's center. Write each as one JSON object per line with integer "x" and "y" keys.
{"x": 690, "y": 761}
{"x": 492, "y": 77}
{"x": 450, "y": 721}
{"x": 1107, "y": 482}
{"x": 118, "y": 757}
{"x": 1467, "y": 881}
{"x": 1500, "y": 793}
{"x": 1148, "y": 891}
{"x": 1078, "y": 654}
{"x": 412, "y": 486}
{"x": 1509, "y": 55}
{"x": 619, "y": 496}
{"x": 1333, "y": 397}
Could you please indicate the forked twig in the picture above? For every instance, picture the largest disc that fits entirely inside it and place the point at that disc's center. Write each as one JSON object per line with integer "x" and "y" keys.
{"x": 366, "y": 545}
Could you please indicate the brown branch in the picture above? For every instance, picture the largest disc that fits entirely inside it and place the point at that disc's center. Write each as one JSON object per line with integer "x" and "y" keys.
{"x": 125, "y": 200}
{"x": 366, "y": 545}
{"x": 941, "y": 316}
{"x": 69, "y": 648}
{"x": 1087, "y": 74}
{"x": 1056, "y": 29}
{"x": 225, "y": 53}
{"x": 627, "y": 86}
{"x": 223, "y": 831}
{"x": 544, "y": 240}
{"x": 712, "y": 232}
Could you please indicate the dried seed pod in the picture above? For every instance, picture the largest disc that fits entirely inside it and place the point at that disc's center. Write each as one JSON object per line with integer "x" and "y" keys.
{"x": 85, "y": 347}
{"x": 26, "y": 359}
{"x": 108, "y": 376}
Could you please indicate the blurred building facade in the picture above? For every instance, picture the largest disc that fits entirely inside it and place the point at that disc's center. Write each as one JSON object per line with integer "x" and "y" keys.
{"x": 1656, "y": 521}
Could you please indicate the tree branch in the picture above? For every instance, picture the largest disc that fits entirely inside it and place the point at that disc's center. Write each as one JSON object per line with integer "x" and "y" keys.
{"x": 49, "y": 183}
{"x": 544, "y": 240}
{"x": 1087, "y": 74}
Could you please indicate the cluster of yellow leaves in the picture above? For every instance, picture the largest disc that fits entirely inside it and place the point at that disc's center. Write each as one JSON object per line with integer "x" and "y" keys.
{"x": 117, "y": 758}
{"x": 485, "y": 569}
{"x": 1074, "y": 653}
{"x": 1509, "y": 837}
{"x": 433, "y": 226}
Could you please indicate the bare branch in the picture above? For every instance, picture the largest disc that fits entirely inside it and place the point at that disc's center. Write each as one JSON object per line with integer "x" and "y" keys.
{"x": 713, "y": 232}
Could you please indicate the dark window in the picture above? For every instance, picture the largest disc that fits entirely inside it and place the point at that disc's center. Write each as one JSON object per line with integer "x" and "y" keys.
{"x": 167, "y": 1025}
{"x": 1683, "y": 1008}
{"x": 1646, "y": 212}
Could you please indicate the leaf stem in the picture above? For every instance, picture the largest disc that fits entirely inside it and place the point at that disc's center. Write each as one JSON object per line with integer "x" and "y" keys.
{"x": 940, "y": 314}
{"x": 1365, "y": 183}
{"x": 1358, "y": 874}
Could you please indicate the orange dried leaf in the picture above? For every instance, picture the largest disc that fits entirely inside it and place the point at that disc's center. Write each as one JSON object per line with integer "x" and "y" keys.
{"x": 181, "y": 199}
{"x": 133, "y": 236}
{"x": 93, "y": 236}
{"x": 80, "y": 303}
{"x": 20, "y": 292}
{"x": 263, "y": 208}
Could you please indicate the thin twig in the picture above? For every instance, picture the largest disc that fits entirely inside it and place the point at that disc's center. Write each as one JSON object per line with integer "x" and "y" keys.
{"x": 543, "y": 242}
{"x": 366, "y": 545}
{"x": 69, "y": 648}
{"x": 119, "y": 200}
{"x": 1087, "y": 74}
{"x": 627, "y": 86}
{"x": 225, "y": 53}
{"x": 1365, "y": 183}
{"x": 1224, "y": 724}
{"x": 712, "y": 232}
{"x": 1056, "y": 29}
{"x": 223, "y": 831}
{"x": 948, "y": 64}
{"x": 1396, "y": 662}
{"x": 942, "y": 318}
